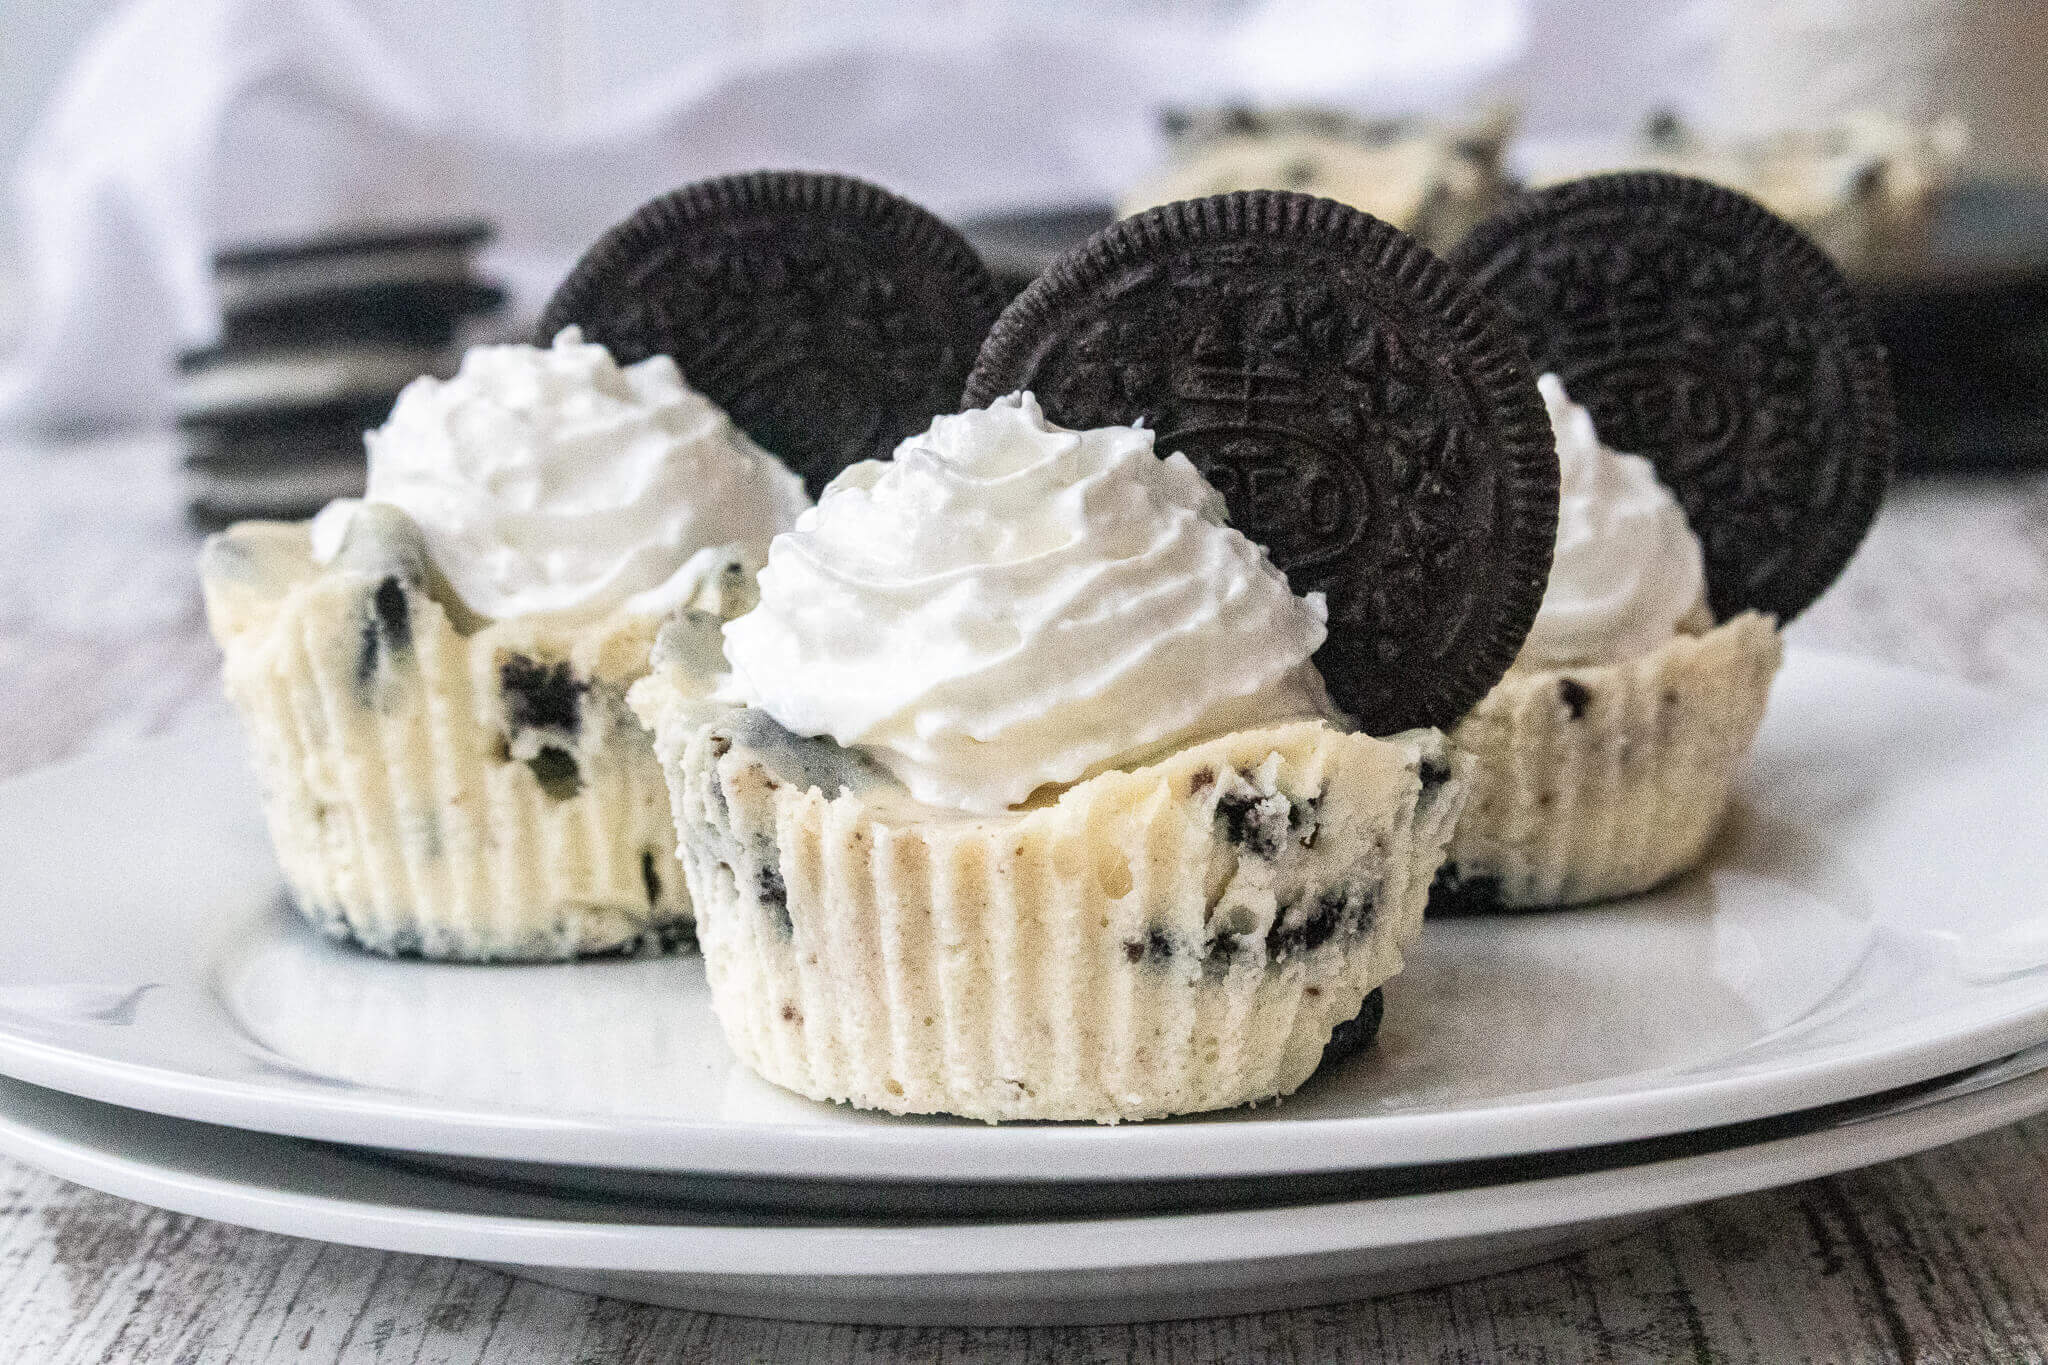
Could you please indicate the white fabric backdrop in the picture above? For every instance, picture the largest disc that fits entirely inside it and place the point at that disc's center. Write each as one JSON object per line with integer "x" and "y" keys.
{"x": 189, "y": 124}
{"x": 186, "y": 125}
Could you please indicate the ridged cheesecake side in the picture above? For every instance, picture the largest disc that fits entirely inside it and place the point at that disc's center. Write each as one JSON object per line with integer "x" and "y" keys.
{"x": 1595, "y": 782}
{"x": 1178, "y": 938}
{"x": 431, "y": 790}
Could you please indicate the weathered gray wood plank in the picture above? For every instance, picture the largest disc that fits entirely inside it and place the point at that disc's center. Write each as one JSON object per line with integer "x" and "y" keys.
{"x": 1933, "y": 1259}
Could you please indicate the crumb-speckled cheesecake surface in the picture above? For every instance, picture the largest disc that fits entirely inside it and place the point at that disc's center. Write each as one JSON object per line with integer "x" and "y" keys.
{"x": 1181, "y": 937}
{"x": 478, "y": 795}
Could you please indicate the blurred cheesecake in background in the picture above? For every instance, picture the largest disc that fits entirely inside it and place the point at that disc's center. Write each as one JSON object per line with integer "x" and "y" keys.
{"x": 1432, "y": 178}
{"x": 1863, "y": 187}
{"x": 317, "y": 337}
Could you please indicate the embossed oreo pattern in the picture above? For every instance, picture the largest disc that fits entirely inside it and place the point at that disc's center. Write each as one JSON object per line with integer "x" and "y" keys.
{"x": 830, "y": 318}
{"x": 1366, "y": 417}
{"x": 1708, "y": 334}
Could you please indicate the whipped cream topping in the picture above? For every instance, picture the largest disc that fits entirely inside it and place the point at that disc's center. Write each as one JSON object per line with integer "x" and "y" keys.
{"x": 1007, "y": 604}
{"x": 1628, "y": 568}
{"x": 554, "y": 482}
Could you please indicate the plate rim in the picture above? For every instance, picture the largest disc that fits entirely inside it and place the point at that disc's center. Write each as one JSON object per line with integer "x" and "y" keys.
{"x": 739, "y": 1252}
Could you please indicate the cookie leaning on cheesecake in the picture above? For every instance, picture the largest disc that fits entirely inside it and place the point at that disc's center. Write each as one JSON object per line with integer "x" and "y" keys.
{"x": 1036, "y": 805}
{"x": 1024, "y": 796}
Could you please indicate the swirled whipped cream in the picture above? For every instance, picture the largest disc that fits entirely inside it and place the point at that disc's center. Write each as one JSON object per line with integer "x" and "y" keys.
{"x": 1007, "y": 604}
{"x": 1628, "y": 568}
{"x": 553, "y": 481}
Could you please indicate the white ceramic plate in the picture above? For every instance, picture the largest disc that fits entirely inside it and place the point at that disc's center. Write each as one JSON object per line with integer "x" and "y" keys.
{"x": 1106, "y": 1269}
{"x": 1873, "y": 917}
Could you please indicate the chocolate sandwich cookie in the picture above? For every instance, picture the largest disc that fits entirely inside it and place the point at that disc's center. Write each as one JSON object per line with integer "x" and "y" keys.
{"x": 1711, "y": 336}
{"x": 423, "y": 313}
{"x": 830, "y": 318}
{"x": 275, "y": 465}
{"x": 250, "y": 277}
{"x": 1359, "y": 1032}
{"x": 332, "y": 437}
{"x": 1367, "y": 417}
{"x": 217, "y": 496}
{"x": 224, "y": 385}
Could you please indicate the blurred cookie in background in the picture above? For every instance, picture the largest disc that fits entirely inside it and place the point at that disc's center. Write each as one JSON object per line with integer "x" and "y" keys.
{"x": 281, "y": 461}
{"x": 1432, "y": 178}
{"x": 410, "y": 284}
{"x": 1951, "y": 261}
{"x": 317, "y": 337}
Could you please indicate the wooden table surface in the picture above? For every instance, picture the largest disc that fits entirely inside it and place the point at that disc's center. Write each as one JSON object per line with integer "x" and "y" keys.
{"x": 1943, "y": 1257}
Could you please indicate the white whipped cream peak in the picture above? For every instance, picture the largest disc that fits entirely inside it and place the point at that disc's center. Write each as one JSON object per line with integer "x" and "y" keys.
{"x": 555, "y": 482}
{"x": 1628, "y": 568}
{"x": 1007, "y": 604}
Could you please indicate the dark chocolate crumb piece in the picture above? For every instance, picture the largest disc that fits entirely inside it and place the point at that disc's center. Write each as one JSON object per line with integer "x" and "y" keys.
{"x": 1201, "y": 781}
{"x": 1255, "y": 823}
{"x": 1305, "y": 819}
{"x": 541, "y": 696}
{"x": 1453, "y": 894}
{"x": 1575, "y": 695}
{"x": 774, "y": 897}
{"x": 671, "y": 936}
{"x": 1156, "y": 946}
{"x": 1434, "y": 772}
{"x": 659, "y": 938}
{"x": 556, "y": 771}
{"x": 402, "y": 943}
{"x": 387, "y": 630}
{"x": 1359, "y": 1032}
{"x": 393, "y": 612}
{"x": 1300, "y": 928}
{"x": 650, "y": 878}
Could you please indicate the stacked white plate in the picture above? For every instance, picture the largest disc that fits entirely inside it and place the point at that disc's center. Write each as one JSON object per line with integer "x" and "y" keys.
{"x": 1860, "y": 972}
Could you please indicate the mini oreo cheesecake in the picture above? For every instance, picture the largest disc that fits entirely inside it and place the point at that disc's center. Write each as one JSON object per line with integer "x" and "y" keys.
{"x": 1720, "y": 345}
{"x": 1038, "y": 788}
{"x": 433, "y": 680}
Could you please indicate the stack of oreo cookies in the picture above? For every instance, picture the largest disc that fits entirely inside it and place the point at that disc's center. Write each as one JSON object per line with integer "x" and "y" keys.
{"x": 317, "y": 338}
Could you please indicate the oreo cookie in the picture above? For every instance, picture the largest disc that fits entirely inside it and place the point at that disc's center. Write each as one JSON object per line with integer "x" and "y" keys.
{"x": 426, "y": 313}
{"x": 410, "y": 285}
{"x": 828, "y": 317}
{"x": 317, "y": 337}
{"x": 226, "y": 387}
{"x": 1711, "y": 336}
{"x": 1368, "y": 418}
